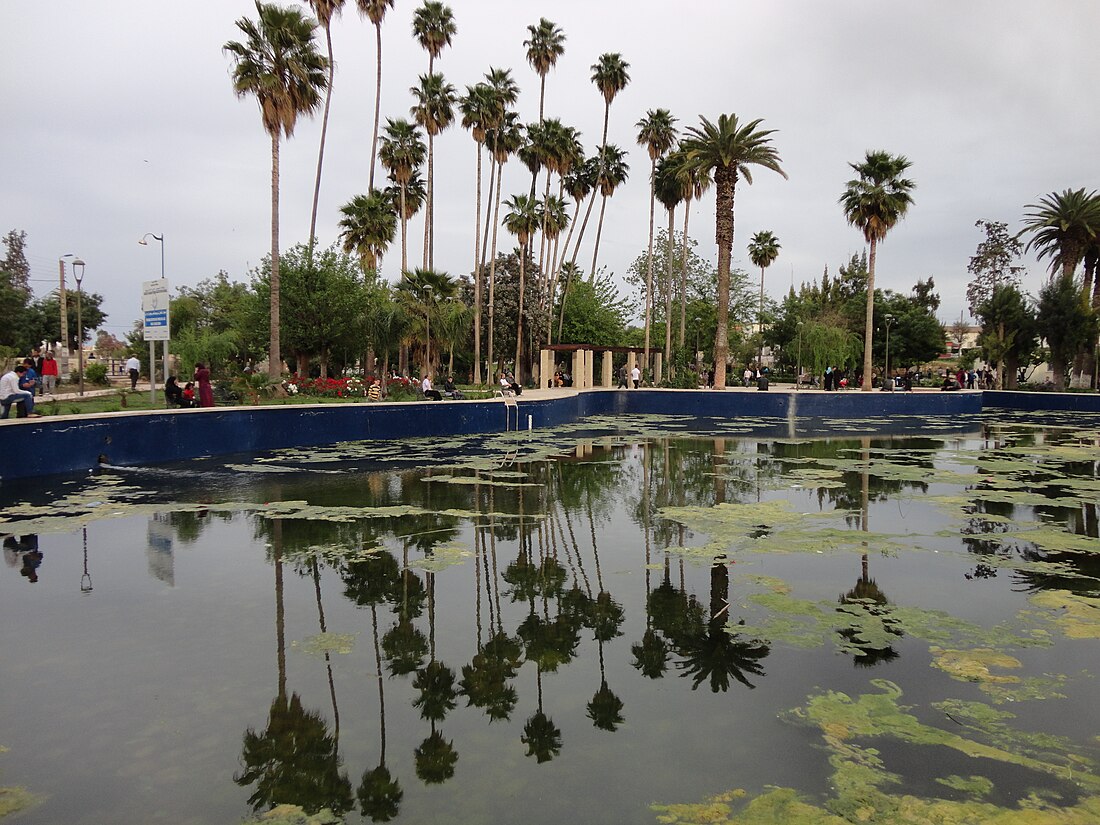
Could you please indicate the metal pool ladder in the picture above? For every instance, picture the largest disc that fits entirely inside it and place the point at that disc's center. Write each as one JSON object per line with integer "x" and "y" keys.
{"x": 509, "y": 405}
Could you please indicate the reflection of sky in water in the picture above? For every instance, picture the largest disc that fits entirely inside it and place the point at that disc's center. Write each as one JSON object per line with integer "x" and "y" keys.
{"x": 135, "y": 702}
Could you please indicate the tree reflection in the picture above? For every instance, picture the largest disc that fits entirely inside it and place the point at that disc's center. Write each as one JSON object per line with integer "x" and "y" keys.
{"x": 485, "y": 680}
{"x": 435, "y": 759}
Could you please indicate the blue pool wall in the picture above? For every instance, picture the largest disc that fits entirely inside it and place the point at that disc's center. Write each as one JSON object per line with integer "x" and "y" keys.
{"x": 67, "y": 444}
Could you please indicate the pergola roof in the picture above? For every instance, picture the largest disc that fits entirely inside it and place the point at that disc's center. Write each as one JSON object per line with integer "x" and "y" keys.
{"x": 597, "y": 348}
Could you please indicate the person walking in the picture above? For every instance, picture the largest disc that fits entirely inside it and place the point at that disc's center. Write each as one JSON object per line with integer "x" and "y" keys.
{"x": 133, "y": 366}
{"x": 206, "y": 391}
{"x": 49, "y": 373}
{"x": 636, "y": 376}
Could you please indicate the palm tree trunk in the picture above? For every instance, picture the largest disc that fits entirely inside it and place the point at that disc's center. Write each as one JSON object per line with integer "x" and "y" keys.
{"x": 280, "y": 610}
{"x": 519, "y": 314}
{"x": 377, "y": 103}
{"x": 596, "y": 248}
{"x": 569, "y": 281}
{"x": 493, "y": 273}
{"x": 404, "y": 235}
{"x": 684, "y": 273}
{"x": 477, "y": 278}
{"x": 274, "y": 359}
{"x": 321, "y": 150}
{"x": 869, "y": 317}
{"x": 649, "y": 258}
{"x": 725, "y": 181}
{"x": 760, "y": 325}
{"x": 668, "y": 293}
{"x": 488, "y": 212}
{"x": 428, "y": 202}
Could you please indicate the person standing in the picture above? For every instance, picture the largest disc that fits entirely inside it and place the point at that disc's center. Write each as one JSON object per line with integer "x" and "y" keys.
{"x": 49, "y": 373}
{"x": 206, "y": 391}
{"x": 622, "y": 378}
{"x": 636, "y": 376}
{"x": 11, "y": 392}
{"x": 30, "y": 380}
{"x": 36, "y": 356}
{"x": 133, "y": 366}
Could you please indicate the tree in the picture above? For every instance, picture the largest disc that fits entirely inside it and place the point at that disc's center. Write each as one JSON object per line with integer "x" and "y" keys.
{"x": 1009, "y": 333}
{"x": 433, "y": 27}
{"x": 1066, "y": 321}
{"x": 506, "y": 140}
{"x": 325, "y": 11}
{"x": 280, "y": 65}
{"x": 993, "y": 264}
{"x": 657, "y": 133}
{"x": 728, "y": 149}
{"x": 15, "y": 295}
{"x": 763, "y": 250}
{"x": 522, "y": 220}
{"x": 368, "y": 227}
{"x": 610, "y": 75}
{"x": 375, "y": 11}
{"x": 402, "y": 154}
{"x": 1062, "y": 227}
{"x": 874, "y": 203}
{"x": 479, "y": 113}
{"x": 422, "y": 291}
{"x": 593, "y": 314}
{"x": 14, "y": 264}
{"x": 544, "y": 47}
{"x": 434, "y": 110}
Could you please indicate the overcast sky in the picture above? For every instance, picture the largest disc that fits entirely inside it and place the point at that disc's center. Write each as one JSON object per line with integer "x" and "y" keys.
{"x": 119, "y": 119}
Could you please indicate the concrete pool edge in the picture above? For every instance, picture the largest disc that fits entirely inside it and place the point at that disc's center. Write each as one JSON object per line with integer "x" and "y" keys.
{"x": 66, "y": 444}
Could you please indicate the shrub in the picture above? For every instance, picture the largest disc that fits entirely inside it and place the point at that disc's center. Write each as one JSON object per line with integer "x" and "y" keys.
{"x": 96, "y": 374}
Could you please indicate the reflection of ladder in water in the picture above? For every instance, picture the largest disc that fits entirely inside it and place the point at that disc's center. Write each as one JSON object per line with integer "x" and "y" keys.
{"x": 509, "y": 405}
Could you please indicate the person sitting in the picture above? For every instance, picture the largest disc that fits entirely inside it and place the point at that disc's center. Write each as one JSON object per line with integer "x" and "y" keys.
{"x": 429, "y": 393}
{"x": 508, "y": 385}
{"x": 374, "y": 392}
{"x": 173, "y": 394}
{"x": 188, "y": 395}
{"x": 567, "y": 380}
{"x": 12, "y": 393}
{"x": 450, "y": 390}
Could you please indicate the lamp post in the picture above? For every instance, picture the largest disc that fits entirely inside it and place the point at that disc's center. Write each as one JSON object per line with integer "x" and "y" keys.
{"x": 78, "y": 274}
{"x": 152, "y": 344}
{"x": 798, "y": 374}
{"x": 889, "y": 319}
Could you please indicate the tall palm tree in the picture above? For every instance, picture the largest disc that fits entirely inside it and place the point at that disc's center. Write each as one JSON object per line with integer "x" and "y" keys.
{"x": 434, "y": 110}
{"x": 763, "y": 250}
{"x": 610, "y": 75}
{"x": 728, "y": 149}
{"x": 694, "y": 183}
{"x": 424, "y": 289}
{"x": 505, "y": 94}
{"x": 1063, "y": 226}
{"x": 479, "y": 110}
{"x": 375, "y": 11}
{"x": 578, "y": 184}
{"x": 325, "y": 11}
{"x": 613, "y": 173}
{"x": 280, "y": 65}
{"x": 368, "y": 227}
{"x": 522, "y": 220}
{"x": 544, "y": 47}
{"x": 874, "y": 203}
{"x": 402, "y": 154}
{"x": 506, "y": 141}
{"x": 555, "y": 220}
{"x": 657, "y": 133}
{"x": 434, "y": 27}
{"x": 670, "y": 193}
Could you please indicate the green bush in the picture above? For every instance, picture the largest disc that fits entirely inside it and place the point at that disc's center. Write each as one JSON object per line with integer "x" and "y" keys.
{"x": 96, "y": 374}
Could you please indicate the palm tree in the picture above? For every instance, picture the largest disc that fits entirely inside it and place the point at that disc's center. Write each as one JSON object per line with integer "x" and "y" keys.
{"x": 507, "y": 139}
{"x": 544, "y": 47}
{"x": 609, "y": 73}
{"x": 763, "y": 250}
{"x": 402, "y": 154}
{"x": 375, "y": 11}
{"x": 505, "y": 94}
{"x": 434, "y": 27}
{"x": 1063, "y": 226}
{"x": 874, "y": 203}
{"x": 434, "y": 110}
{"x": 424, "y": 289}
{"x": 577, "y": 184}
{"x": 670, "y": 193}
{"x": 522, "y": 220}
{"x": 555, "y": 220}
{"x": 368, "y": 227}
{"x": 728, "y": 149}
{"x": 325, "y": 11}
{"x": 280, "y": 65}
{"x": 657, "y": 133}
{"x": 613, "y": 173}
{"x": 694, "y": 183}
{"x": 479, "y": 110}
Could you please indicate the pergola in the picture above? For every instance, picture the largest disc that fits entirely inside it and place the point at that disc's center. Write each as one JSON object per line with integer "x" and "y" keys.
{"x": 584, "y": 357}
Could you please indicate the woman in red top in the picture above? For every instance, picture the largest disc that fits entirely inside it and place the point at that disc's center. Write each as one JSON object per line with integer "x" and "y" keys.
{"x": 49, "y": 373}
{"x": 206, "y": 392}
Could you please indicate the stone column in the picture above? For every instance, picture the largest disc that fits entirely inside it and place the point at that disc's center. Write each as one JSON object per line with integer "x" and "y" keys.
{"x": 578, "y": 369}
{"x": 546, "y": 366}
{"x": 607, "y": 371}
{"x": 658, "y": 367}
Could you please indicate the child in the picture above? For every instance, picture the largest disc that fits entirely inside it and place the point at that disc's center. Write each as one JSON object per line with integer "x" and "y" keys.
{"x": 188, "y": 395}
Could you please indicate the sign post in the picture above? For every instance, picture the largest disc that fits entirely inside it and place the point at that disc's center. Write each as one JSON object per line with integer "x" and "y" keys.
{"x": 155, "y": 326}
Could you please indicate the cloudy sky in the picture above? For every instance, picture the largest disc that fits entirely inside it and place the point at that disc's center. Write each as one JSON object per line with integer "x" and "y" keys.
{"x": 119, "y": 119}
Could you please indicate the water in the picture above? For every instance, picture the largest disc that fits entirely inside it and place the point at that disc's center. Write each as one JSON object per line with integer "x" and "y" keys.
{"x": 561, "y": 624}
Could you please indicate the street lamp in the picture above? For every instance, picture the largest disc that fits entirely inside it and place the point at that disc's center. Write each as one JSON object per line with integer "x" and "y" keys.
{"x": 78, "y": 273}
{"x": 152, "y": 345}
{"x": 798, "y": 374}
{"x": 889, "y": 319}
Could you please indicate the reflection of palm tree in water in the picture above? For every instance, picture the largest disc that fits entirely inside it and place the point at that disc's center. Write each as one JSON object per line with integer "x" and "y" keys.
{"x": 380, "y": 793}
{"x": 294, "y": 760}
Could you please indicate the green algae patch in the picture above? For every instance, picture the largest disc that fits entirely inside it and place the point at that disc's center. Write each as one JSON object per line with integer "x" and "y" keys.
{"x": 326, "y": 643}
{"x": 1078, "y": 617}
{"x": 287, "y": 814}
{"x": 14, "y": 800}
{"x": 442, "y": 557}
{"x": 981, "y": 666}
{"x": 974, "y": 786}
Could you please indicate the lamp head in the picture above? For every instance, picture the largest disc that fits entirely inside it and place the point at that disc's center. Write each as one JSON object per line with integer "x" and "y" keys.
{"x": 78, "y": 270}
